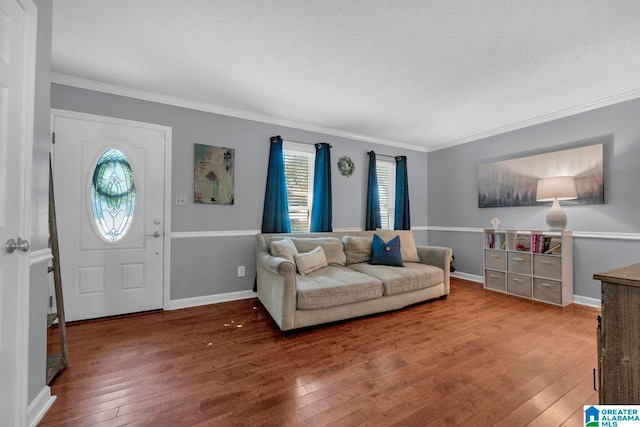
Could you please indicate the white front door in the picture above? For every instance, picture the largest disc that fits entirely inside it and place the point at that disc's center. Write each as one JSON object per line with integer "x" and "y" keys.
{"x": 17, "y": 71}
{"x": 109, "y": 184}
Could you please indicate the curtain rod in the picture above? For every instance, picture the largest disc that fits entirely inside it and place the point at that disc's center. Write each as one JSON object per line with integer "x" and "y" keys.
{"x": 306, "y": 143}
{"x": 383, "y": 155}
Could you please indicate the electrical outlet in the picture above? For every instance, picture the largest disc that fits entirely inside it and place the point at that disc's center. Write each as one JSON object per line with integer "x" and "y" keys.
{"x": 241, "y": 271}
{"x": 181, "y": 200}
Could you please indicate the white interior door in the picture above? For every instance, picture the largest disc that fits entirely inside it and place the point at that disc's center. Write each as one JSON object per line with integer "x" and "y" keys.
{"x": 109, "y": 183}
{"x": 17, "y": 53}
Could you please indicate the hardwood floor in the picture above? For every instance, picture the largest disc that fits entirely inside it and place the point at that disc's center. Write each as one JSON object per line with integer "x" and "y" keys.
{"x": 477, "y": 358}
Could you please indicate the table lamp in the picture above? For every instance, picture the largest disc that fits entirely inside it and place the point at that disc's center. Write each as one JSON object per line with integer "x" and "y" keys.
{"x": 554, "y": 189}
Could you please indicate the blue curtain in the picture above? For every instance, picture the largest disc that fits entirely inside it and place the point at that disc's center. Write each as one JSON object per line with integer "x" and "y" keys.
{"x": 275, "y": 215}
{"x": 372, "y": 213}
{"x": 321, "y": 208}
{"x": 402, "y": 218}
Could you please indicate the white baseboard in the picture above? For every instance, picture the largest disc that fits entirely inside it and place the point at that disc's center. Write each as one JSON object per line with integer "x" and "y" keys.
{"x": 235, "y": 296}
{"x": 210, "y": 299}
{"x": 590, "y": 302}
{"x": 467, "y": 276}
{"x": 39, "y": 407}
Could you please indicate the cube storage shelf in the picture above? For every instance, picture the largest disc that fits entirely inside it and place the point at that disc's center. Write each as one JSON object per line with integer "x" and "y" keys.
{"x": 533, "y": 264}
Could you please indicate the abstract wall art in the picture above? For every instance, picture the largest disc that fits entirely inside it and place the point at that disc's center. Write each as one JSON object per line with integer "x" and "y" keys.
{"x": 213, "y": 177}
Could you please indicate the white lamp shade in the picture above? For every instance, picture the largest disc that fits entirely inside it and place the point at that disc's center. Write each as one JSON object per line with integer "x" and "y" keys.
{"x": 556, "y": 188}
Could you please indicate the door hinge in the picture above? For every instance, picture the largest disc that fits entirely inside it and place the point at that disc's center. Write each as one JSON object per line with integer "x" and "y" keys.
{"x": 53, "y": 137}
{"x": 50, "y": 301}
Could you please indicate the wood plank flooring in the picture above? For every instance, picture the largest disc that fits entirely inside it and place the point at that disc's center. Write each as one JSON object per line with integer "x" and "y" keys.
{"x": 478, "y": 358}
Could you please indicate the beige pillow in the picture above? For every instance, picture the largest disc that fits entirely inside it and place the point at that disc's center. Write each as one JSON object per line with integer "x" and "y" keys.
{"x": 311, "y": 261}
{"x": 407, "y": 243}
{"x": 357, "y": 249}
{"x": 332, "y": 246}
{"x": 284, "y": 248}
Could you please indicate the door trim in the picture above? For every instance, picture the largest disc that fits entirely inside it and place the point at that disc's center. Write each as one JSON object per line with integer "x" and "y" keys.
{"x": 167, "y": 130}
{"x": 24, "y": 204}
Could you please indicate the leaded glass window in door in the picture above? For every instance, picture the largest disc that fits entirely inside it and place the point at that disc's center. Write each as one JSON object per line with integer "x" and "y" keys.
{"x": 113, "y": 195}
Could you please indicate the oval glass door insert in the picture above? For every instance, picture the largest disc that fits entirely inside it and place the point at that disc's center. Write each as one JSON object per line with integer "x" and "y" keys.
{"x": 113, "y": 195}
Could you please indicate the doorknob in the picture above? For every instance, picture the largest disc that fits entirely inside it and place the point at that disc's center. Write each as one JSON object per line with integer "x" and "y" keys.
{"x": 155, "y": 234}
{"x": 21, "y": 245}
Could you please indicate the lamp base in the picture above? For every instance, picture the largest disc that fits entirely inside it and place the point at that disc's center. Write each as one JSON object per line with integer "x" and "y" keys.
{"x": 556, "y": 217}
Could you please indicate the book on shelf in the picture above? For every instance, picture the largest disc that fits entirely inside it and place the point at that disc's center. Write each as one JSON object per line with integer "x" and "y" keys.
{"x": 496, "y": 241}
{"x": 555, "y": 248}
{"x": 540, "y": 243}
{"x": 523, "y": 243}
{"x": 490, "y": 241}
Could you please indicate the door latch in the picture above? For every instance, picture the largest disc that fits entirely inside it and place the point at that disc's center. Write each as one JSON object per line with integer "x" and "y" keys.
{"x": 21, "y": 245}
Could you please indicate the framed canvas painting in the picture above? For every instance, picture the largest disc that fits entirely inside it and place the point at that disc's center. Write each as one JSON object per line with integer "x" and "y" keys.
{"x": 514, "y": 182}
{"x": 213, "y": 174}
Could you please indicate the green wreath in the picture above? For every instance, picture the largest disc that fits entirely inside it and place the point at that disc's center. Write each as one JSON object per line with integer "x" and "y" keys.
{"x": 346, "y": 166}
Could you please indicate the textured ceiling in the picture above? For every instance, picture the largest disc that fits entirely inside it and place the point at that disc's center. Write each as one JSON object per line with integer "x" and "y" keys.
{"x": 419, "y": 73}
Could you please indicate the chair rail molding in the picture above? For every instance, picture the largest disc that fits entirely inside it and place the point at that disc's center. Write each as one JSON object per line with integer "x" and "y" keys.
{"x": 579, "y": 234}
{"x": 40, "y": 256}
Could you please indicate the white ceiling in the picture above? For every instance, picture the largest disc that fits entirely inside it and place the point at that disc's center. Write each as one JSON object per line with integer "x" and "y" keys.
{"x": 423, "y": 74}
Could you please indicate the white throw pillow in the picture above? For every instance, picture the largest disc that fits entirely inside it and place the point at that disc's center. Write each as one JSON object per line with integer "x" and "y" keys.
{"x": 285, "y": 249}
{"x": 308, "y": 262}
{"x": 357, "y": 249}
{"x": 332, "y": 246}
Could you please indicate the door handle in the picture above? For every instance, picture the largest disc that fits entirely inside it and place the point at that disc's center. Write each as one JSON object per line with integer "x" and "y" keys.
{"x": 155, "y": 234}
{"x": 21, "y": 245}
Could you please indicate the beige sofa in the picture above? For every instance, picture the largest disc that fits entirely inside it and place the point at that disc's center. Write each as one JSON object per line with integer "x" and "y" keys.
{"x": 348, "y": 286}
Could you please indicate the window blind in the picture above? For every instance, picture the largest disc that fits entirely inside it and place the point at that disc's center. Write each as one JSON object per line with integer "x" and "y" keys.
{"x": 299, "y": 162}
{"x": 386, "y": 172}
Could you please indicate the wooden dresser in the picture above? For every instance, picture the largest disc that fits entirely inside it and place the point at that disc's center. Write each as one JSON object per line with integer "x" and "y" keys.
{"x": 619, "y": 336}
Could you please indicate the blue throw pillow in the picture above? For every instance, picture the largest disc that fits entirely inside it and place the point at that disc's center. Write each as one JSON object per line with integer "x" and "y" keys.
{"x": 386, "y": 253}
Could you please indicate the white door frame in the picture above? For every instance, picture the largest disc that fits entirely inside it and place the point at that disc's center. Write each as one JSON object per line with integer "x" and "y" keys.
{"x": 166, "y": 288}
{"x": 18, "y": 406}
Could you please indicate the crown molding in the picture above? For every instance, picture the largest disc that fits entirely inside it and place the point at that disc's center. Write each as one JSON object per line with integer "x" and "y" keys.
{"x": 589, "y": 106}
{"x": 67, "y": 80}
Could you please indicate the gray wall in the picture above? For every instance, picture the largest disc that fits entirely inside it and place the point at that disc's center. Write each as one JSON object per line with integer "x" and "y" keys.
{"x": 208, "y": 265}
{"x": 453, "y": 191}
{"x": 39, "y": 281}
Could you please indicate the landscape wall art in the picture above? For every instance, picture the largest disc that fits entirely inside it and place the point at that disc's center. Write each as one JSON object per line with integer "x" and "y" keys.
{"x": 514, "y": 182}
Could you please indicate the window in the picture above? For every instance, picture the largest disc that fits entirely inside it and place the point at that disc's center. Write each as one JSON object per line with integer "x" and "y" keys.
{"x": 386, "y": 173}
{"x": 113, "y": 195}
{"x": 299, "y": 162}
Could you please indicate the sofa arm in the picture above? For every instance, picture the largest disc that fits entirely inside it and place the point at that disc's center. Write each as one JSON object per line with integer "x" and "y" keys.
{"x": 276, "y": 265}
{"x": 276, "y": 285}
{"x": 438, "y": 256}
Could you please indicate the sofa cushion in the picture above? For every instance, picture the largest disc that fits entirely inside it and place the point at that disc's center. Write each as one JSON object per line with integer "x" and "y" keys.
{"x": 285, "y": 249}
{"x": 357, "y": 249}
{"x": 332, "y": 246}
{"x": 407, "y": 243}
{"x": 386, "y": 253}
{"x": 334, "y": 286}
{"x": 308, "y": 262}
{"x": 412, "y": 277}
